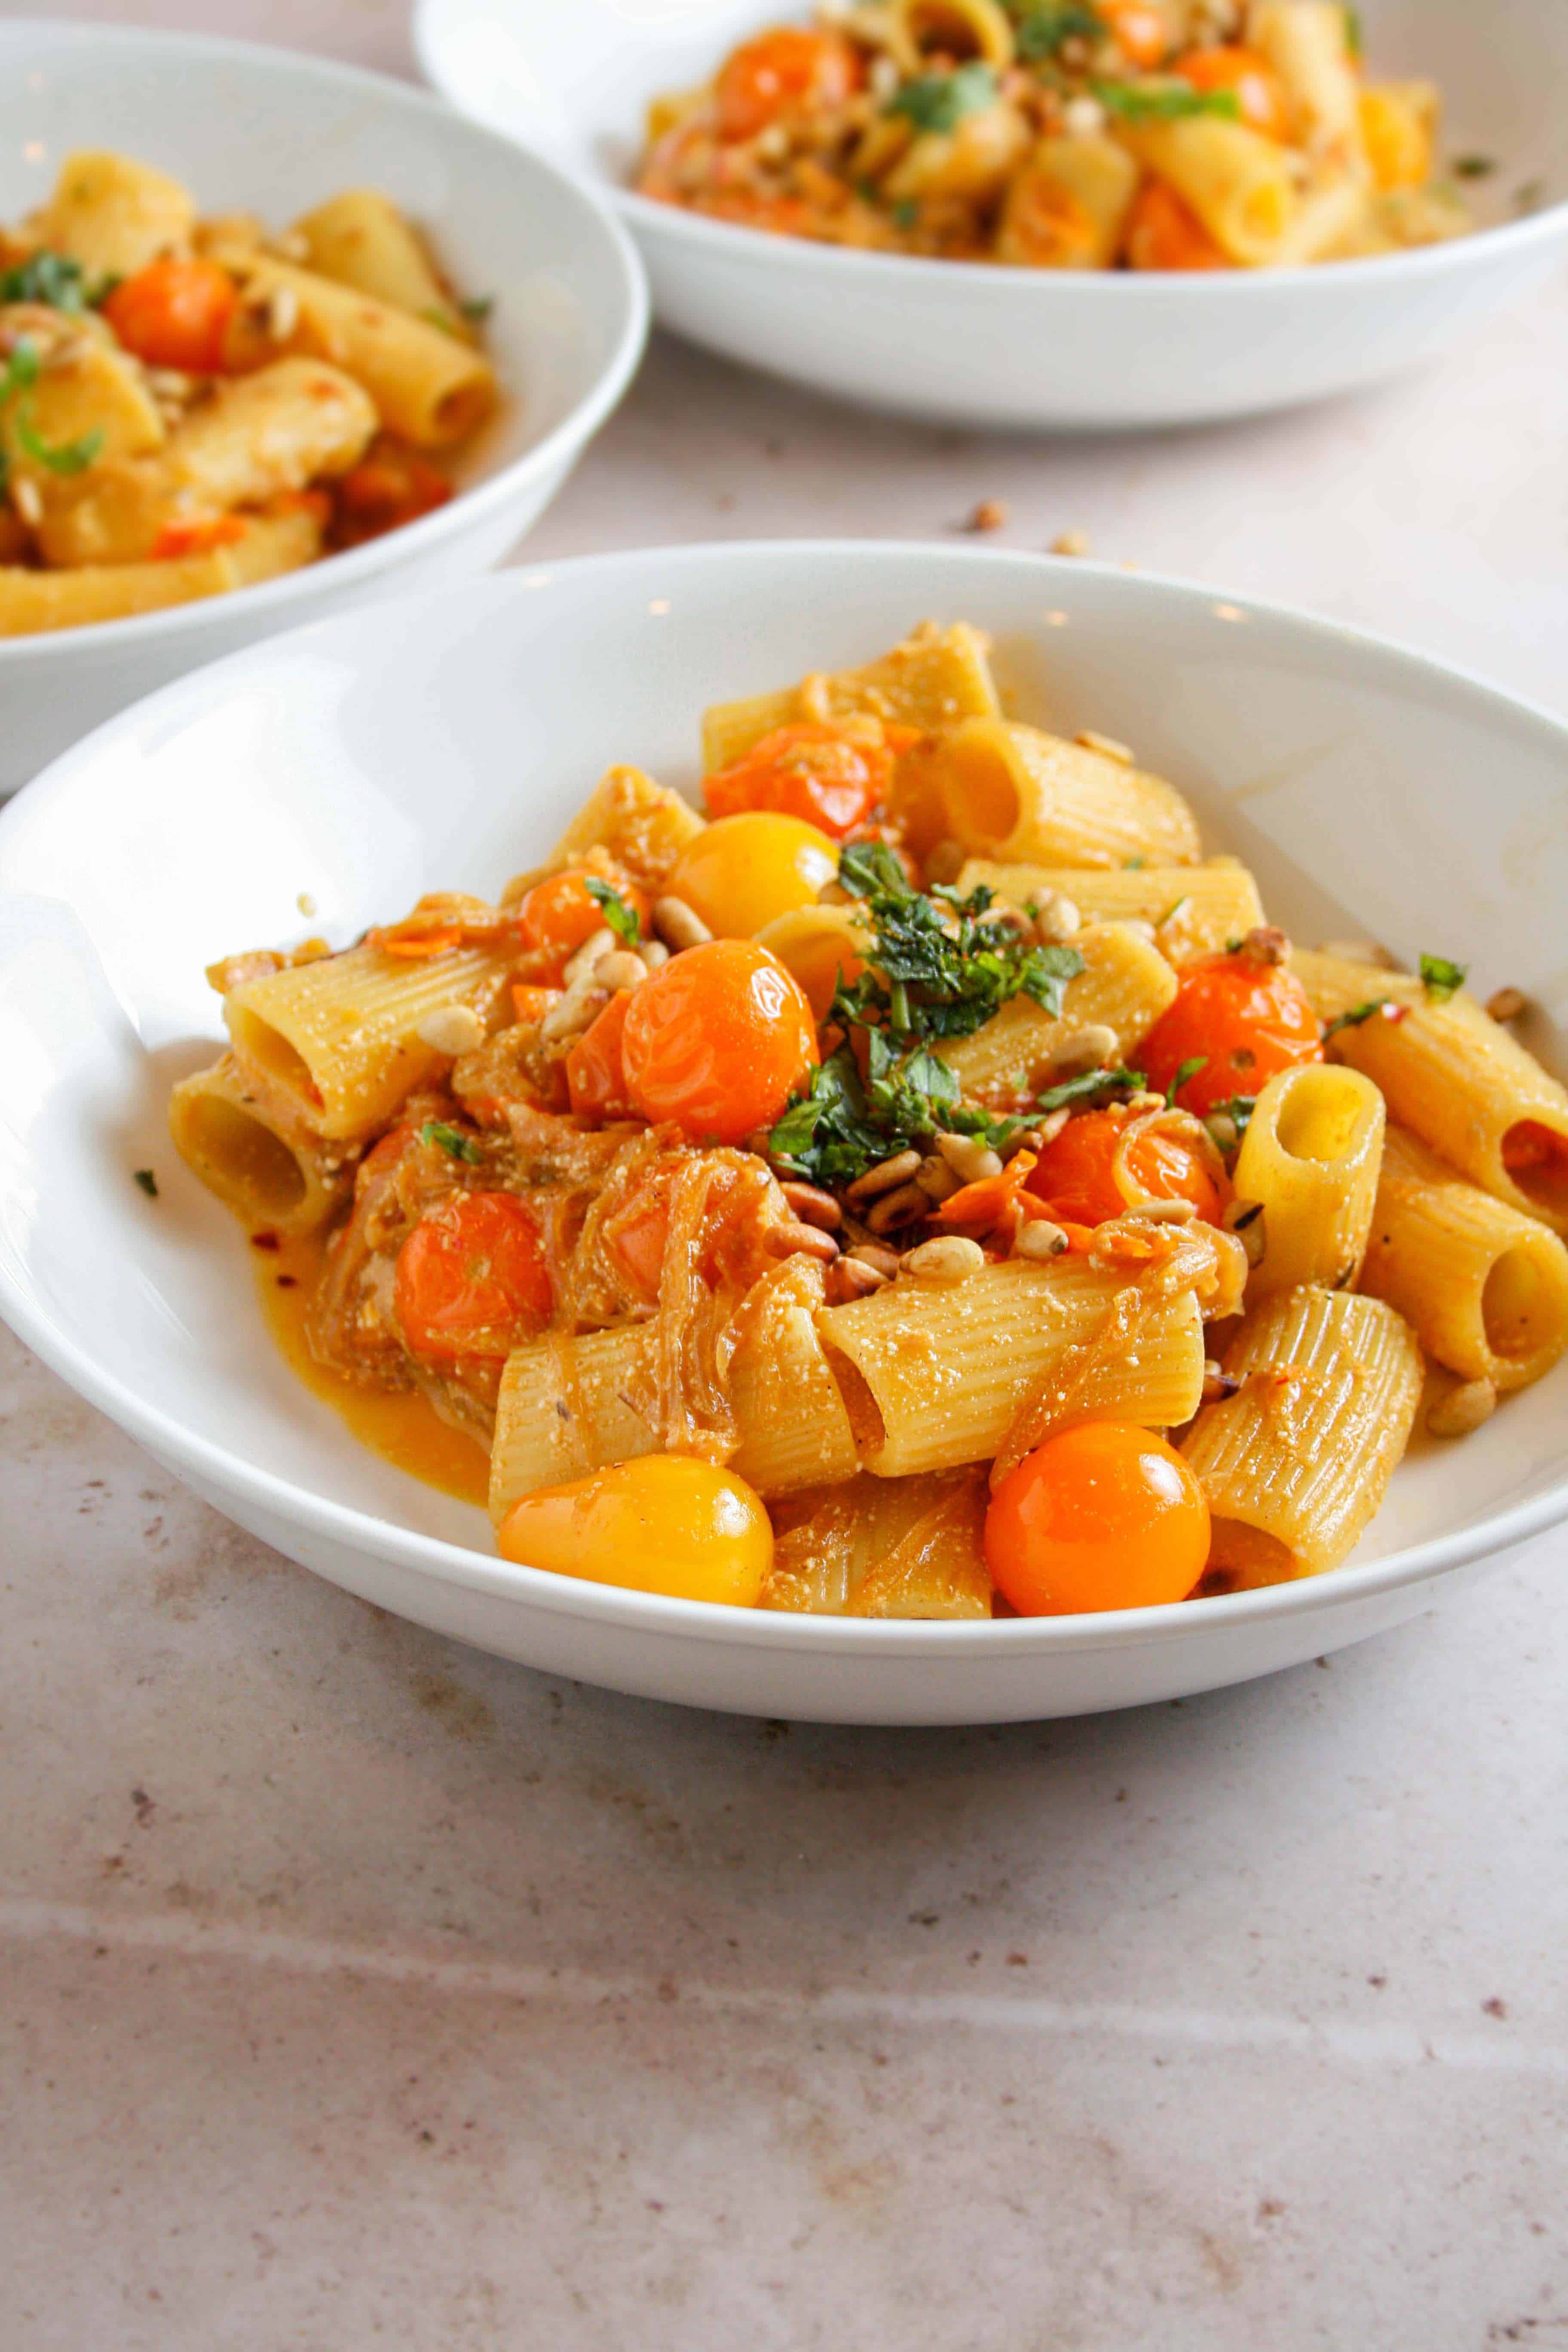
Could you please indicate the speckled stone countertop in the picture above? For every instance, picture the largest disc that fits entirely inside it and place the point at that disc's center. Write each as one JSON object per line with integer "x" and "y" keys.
{"x": 363, "y": 1991}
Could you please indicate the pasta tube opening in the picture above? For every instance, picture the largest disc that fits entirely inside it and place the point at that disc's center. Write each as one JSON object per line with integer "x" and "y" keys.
{"x": 1319, "y": 1115}
{"x": 268, "y": 1051}
{"x": 242, "y": 1159}
{"x": 1523, "y": 1299}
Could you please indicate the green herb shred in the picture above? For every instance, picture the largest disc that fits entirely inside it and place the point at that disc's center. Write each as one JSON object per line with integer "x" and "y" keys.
{"x": 1441, "y": 979}
{"x": 1044, "y": 25}
{"x": 456, "y": 1147}
{"x": 939, "y": 101}
{"x": 1088, "y": 1086}
{"x": 1188, "y": 1069}
{"x": 1174, "y": 101}
{"x": 1354, "y": 1017}
{"x": 621, "y": 918}
{"x": 148, "y": 1181}
{"x": 51, "y": 279}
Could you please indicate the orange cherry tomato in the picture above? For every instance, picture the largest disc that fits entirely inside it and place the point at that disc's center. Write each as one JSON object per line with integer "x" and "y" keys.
{"x": 471, "y": 1279}
{"x": 792, "y": 70}
{"x": 595, "y": 1076}
{"x": 814, "y": 772}
{"x": 174, "y": 314}
{"x": 1105, "y": 1515}
{"x": 1248, "y": 77}
{"x": 390, "y": 485}
{"x": 1248, "y": 1020}
{"x": 1073, "y": 1172}
{"x": 559, "y": 914}
{"x": 197, "y": 535}
{"x": 1141, "y": 31}
{"x": 718, "y": 1040}
{"x": 1162, "y": 233}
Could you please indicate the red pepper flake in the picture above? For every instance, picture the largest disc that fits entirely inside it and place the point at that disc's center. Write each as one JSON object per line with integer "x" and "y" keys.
{"x": 265, "y": 1241}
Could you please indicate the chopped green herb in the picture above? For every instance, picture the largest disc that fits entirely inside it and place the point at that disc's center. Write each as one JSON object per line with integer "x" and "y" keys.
{"x": 1353, "y": 41}
{"x": 457, "y": 1147}
{"x": 1044, "y": 25}
{"x": 148, "y": 1181}
{"x": 621, "y": 918}
{"x": 906, "y": 213}
{"x": 1188, "y": 1069}
{"x": 1172, "y": 911}
{"x": 940, "y": 101}
{"x": 1474, "y": 167}
{"x": 1237, "y": 1108}
{"x": 442, "y": 319}
{"x": 63, "y": 456}
{"x": 52, "y": 279}
{"x": 1354, "y": 1017}
{"x": 477, "y": 308}
{"x": 1173, "y": 101}
{"x": 1087, "y": 1084}
{"x": 1441, "y": 979}
{"x": 1133, "y": 864}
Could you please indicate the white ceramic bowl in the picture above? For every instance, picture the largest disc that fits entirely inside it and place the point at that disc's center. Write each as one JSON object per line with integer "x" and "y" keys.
{"x": 253, "y": 129}
{"x": 444, "y": 742}
{"x": 973, "y": 344}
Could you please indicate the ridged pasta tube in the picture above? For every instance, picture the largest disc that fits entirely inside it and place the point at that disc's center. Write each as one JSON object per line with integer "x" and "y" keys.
{"x": 1485, "y": 1289}
{"x": 937, "y": 1375}
{"x": 884, "y": 1547}
{"x": 1455, "y": 1077}
{"x": 32, "y": 603}
{"x": 1124, "y": 986}
{"x": 262, "y": 1163}
{"x": 642, "y": 825}
{"x": 1025, "y": 798}
{"x": 1307, "y": 42}
{"x": 1196, "y": 909}
{"x": 1310, "y": 1159}
{"x": 934, "y": 678}
{"x": 1295, "y": 1462}
{"x": 1236, "y": 181}
{"x": 1068, "y": 205}
{"x": 360, "y": 238}
{"x": 114, "y": 215}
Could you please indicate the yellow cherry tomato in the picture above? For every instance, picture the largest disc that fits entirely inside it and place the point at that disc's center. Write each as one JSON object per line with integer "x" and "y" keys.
{"x": 665, "y": 1524}
{"x": 744, "y": 871}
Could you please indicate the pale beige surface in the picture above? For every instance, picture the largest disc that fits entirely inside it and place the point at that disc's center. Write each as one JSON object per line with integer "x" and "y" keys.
{"x": 365, "y": 1991}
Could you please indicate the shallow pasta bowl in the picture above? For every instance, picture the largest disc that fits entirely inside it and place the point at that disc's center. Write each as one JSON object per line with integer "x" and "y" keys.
{"x": 980, "y": 345}
{"x": 255, "y": 130}
{"x": 446, "y": 740}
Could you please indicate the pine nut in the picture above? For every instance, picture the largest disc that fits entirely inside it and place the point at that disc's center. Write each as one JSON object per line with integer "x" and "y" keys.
{"x": 598, "y": 943}
{"x": 1507, "y": 1004}
{"x": 1053, "y": 1123}
{"x": 936, "y": 1178}
{"x": 653, "y": 952}
{"x": 849, "y": 1277}
{"x": 1093, "y": 1047}
{"x": 1223, "y": 1129}
{"x": 679, "y": 925}
{"x": 1462, "y": 1409}
{"x": 1162, "y": 1213}
{"x": 1218, "y": 1383}
{"x": 795, "y": 1240}
{"x": 1057, "y": 920}
{"x": 621, "y": 969}
{"x": 989, "y": 515}
{"x": 1038, "y": 1238}
{"x": 283, "y": 313}
{"x": 899, "y": 1208}
{"x": 578, "y": 1010}
{"x": 1070, "y": 543}
{"x": 949, "y": 1258}
{"x": 813, "y": 1206}
{"x": 1245, "y": 1220}
{"x": 881, "y": 1260}
{"x": 28, "y": 499}
{"x": 452, "y": 1029}
{"x": 968, "y": 1158}
{"x": 884, "y": 1176}
{"x": 1266, "y": 945}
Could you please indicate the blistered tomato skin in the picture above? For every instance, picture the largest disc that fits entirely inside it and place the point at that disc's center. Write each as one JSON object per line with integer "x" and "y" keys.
{"x": 664, "y": 1523}
{"x": 1105, "y": 1515}
{"x": 717, "y": 1041}
{"x": 1247, "y": 1020}
{"x": 815, "y": 772}
{"x": 1074, "y": 1172}
{"x": 741, "y": 872}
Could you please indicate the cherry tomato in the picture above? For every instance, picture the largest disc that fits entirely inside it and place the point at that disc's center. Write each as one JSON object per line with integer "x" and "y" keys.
{"x": 792, "y": 70}
{"x": 174, "y": 314}
{"x": 814, "y": 772}
{"x": 1536, "y": 1157}
{"x": 595, "y": 1076}
{"x": 471, "y": 1278}
{"x": 1141, "y": 30}
{"x": 1073, "y": 1172}
{"x": 390, "y": 485}
{"x": 718, "y": 1040}
{"x": 744, "y": 871}
{"x": 1162, "y": 233}
{"x": 662, "y": 1524}
{"x": 1248, "y": 1020}
{"x": 1248, "y": 77}
{"x": 1104, "y": 1516}
{"x": 561, "y": 913}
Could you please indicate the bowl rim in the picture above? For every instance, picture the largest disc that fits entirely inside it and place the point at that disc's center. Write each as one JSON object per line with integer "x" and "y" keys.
{"x": 214, "y": 1467}
{"x": 427, "y": 21}
{"x": 469, "y": 504}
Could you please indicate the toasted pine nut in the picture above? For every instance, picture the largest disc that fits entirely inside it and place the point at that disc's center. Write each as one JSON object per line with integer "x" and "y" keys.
{"x": 1245, "y": 1220}
{"x": 1145, "y": 1100}
{"x": 1164, "y": 1212}
{"x": 1010, "y": 919}
{"x": 813, "y": 1206}
{"x": 849, "y": 1277}
{"x": 679, "y": 925}
{"x": 1038, "y": 1238}
{"x": 1070, "y": 543}
{"x": 28, "y": 499}
{"x": 602, "y": 943}
{"x": 1093, "y": 1047}
{"x": 1053, "y": 1123}
{"x": 898, "y": 1208}
{"x": 949, "y": 1258}
{"x": 1266, "y": 945}
{"x": 968, "y": 1158}
{"x": 989, "y": 515}
{"x": 884, "y": 1176}
{"x": 283, "y": 313}
{"x": 1507, "y": 1003}
{"x": 578, "y": 1010}
{"x": 875, "y": 1254}
{"x": 620, "y": 969}
{"x": 1058, "y": 920}
{"x": 1223, "y": 1129}
{"x": 452, "y": 1029}
{"x": 936, "y": 1178}
{"x": 1462, "y": 1409}
{"x": 795, "y": 1240}
{"x": 1217, "y": 1382}
{"x": 653, "y": 952}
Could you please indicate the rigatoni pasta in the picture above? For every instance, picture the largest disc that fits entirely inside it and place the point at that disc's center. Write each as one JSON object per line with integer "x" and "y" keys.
{"x": 184, "y": 412}
{"x": 808, "y": 1211}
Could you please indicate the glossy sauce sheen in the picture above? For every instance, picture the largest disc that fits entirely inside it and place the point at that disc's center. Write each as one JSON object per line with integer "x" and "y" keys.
{"x": 404, "y": 1430}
